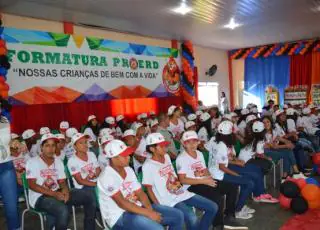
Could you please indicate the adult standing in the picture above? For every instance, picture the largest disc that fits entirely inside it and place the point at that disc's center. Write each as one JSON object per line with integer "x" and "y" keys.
{"x": 224, "y": 103}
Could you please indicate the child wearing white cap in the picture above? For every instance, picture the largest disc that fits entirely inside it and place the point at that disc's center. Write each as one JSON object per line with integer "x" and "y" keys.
{"x": 176, "y": 125}
{"x": 69, "y": 148}
{"x": 164, "y": 187}
{"x": 32, "y": 142}
{"x": 61, "y": 144}
{"x": 140, "y": 153}
{"x": 64, "y": 125}
{"x": 205, "y": 129}
{"x": 102, "y": 158}
{"x": 195, "y": 176}
{"x": 92, "y": 129}
{"x": 123, "y": 203}
{"x": 215, "y": 117}
{"x": 121, "y": 125}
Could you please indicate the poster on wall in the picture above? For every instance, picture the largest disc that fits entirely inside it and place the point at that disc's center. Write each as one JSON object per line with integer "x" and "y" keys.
{"x": 60, "y": 68}
{"x": 271, "y": 93}
{"x": 315, "y": 92}
{"x": 296, "y": 95}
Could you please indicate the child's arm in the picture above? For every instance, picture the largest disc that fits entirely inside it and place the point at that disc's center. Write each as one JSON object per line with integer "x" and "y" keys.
{"x": 143, "y": 199}
{"x": 191, "y": 181}
{"x": 82, "y": 181}
{"x": 151, "y": 194}
{"x": 226, "y": 170}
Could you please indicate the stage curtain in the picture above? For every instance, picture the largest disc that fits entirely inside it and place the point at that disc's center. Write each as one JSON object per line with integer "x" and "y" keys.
{"x": 261, "y": 72}
{"x": 300, "y": 70}
{"x": 315, "y": 73}
{"x": 50, "y": 115}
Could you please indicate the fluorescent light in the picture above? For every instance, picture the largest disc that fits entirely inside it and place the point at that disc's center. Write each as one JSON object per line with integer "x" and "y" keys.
{"x": 232, "y": 24}
{"x": 182, "y": 9}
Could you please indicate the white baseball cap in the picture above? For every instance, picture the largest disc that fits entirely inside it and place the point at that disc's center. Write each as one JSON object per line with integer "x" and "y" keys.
{"x": 14, "y": 136}
{"x": 279, "y": 112}
{"x": 119, "y": 118}
{"x": 250, "y": 118}
{"x": 171, "y": 109}
{"x": 105, "y": 131}
{"x": 71, "y": 131}
{"x": 91, "y": 117}
{"x": 44, "y": 130}
{"x": 290, "y": 111}
{"x": 198, "y": 113}
{"x": 154, "y": 122}
{"x": 48, "y": 136}
{"x": 128, "y": 132}
{"x": 257, "y": 127}
{"x": 105, "y": 139}
{"x": 143, "y": 115}
{"x": 228, "y": 116}
{"x": 60, "y": 136}
{"x": 204, "y": 117}
{"x": 136, "y": 126}
{"x": 156, "y": 138}
{"x": 245, "y": 111}
{"x": 28, "y": 134}
{"x": 116, "y": 147}
{"x": 110, "y": 120}
{"x": 225, "y": 127}
{"x": 189, "y": 135}
{"x": 189, "y": 124}
{"x": 254, "y": 110}
{"x": 64, "y": 125}
{"x": 306, "y": 111}
{"x": 77, "y": 137}
{"x": 192, "y": 117}
{"x": 152, "y": 113}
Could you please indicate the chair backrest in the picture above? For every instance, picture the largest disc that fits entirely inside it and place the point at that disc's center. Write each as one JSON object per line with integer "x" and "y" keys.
{"x": 25, "y": 189}
{"x": 69, "y": 176}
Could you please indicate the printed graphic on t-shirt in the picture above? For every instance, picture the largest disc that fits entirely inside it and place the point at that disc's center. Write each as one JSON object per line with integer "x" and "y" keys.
{"x": 19, "y": 165}
{"x": 128, "y": 193}
{"x": 89, "y": 171}
{"x": 198, "y": 169}
{"x": 50, "y": 178}
{"x": 173, "y": 184}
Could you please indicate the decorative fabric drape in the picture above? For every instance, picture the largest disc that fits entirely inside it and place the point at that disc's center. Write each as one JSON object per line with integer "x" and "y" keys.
{"x": 300, "y": 70}
{"x": 315, "y": 72}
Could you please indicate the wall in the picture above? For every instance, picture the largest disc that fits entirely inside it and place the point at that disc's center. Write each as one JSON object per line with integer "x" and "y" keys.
{"x": 204, "y": 57}
{"x": 238, "y": 79}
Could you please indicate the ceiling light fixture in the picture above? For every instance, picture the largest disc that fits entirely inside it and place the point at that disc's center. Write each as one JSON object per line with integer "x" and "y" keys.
{"x": 232, "y": 24}
{"x": 182, "y": 9}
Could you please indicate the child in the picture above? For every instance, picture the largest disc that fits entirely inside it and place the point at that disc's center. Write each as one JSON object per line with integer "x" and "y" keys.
{"x": 242, "y": 121}
{"x": 44, "y": 130}
{"x": 60, "y": 153}
{"x": 154, "y": 124}
{"x": 69, "y": 149}
{"x": 205, "y": 129}
{"x": 33, "y": 145}
{"x": 123, "y": 203}
{"x": 121, "y": 125}
{"x": 193, "y": 173}
{"x": 140, "y": 154}
{"x": 92, "y": 129}
{"x": 176, "y": 125}
{"x": 129, "y": 137}
{"x": 191, "y": 126}
{"x": 215, "y": 117}
{"x": 164, "y": 187}
{"x": 102, "y": 158}
{"x": 64, "y": 125}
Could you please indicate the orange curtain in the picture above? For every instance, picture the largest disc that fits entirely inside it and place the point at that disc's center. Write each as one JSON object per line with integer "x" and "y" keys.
{"x": 315, "y": 72}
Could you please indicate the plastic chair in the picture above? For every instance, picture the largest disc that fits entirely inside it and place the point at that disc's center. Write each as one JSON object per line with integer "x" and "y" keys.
{"x": 69, "y": 178}
{"x": 206, "y": 157}
{"x": 105, "y": 225}
{"x": 42, "y": 215}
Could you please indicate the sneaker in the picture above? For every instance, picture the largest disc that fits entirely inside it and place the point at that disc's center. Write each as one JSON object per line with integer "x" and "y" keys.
{"x": 243, "y": 215}
{"x": 248, "y": 209}
{"x": 299, "y": 175}
{"x": 231, "y": 223}
{"x": 21, "y": 199}
{"x": 266, "y": 198}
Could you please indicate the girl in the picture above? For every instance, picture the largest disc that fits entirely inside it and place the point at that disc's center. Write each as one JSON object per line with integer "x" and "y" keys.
{"x": 176, "y": 125}
{"x": 92, "y": 130}
{"x": 102, "y": 158}
{"x": 191, "y": 126}
{"x": 215, "y": 117}
{"x": 164, "y": 187}
{"x": 60, "y": 153}
{"x": 69, "y": 149}
{"x": 193, "y": 173}
{"x": 121, "y": 125}
{"x": 242, "y": 121}
{"x": 140, "y": 153}
{"x": 123, "y": 203}
{"x": 154, "y": 124}
{"x": 278, "y": 148}
{"x": 205, "y": 130}
{"x": 253, "y": 152}
{"x": 32, "y": 143}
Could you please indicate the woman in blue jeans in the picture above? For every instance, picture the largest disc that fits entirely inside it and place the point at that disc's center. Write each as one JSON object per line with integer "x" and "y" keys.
{"x": 8, "y": 180}
{"x": 164, "y": 188}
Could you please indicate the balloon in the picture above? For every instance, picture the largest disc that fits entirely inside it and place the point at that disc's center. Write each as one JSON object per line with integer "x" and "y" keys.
{"x": 312, "y": 181}
{"x": 3, "y": 51}
{"x": 2, "y": 79}
{"x": 289, "y": 189}
{"x": 310, "y": 192}
{"x": 2, "y": 43}
{"x": 3, "y": 71}
{"x": 284, "y": 201}
{"x": 6, "y": 87}
{"x": 315, "y": 168}
{"x": 301, "y": 183}
{"x": 299, "y": 205}
{"x": 316, "y": 158}
{"x": 314, "y": 204}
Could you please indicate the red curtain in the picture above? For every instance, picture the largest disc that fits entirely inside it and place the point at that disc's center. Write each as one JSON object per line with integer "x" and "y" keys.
{"x": 301, "y": 70}
{"x": 50, "y": 115}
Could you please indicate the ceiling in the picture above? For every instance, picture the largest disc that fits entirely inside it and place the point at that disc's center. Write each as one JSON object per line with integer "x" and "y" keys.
{"x": 264, "y": 21}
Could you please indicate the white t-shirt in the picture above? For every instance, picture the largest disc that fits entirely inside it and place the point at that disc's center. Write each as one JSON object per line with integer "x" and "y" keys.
{"x": 69, "y": 150}
{"x": 242, "y": 127}
{"x": 314, "y": 119}
{"x": 5, "y": 137}
{"x": 279, "y": 130}
{"x": 291, "y": 125}
{"x": 164, "y": 182}
{"x": 109, "y": 183}
{"x": 218, "y": 154}
{"x": 203, "y": 135}
{"x": 269, "y": 138}
{"x": 247, "y": 153}
{"x": 103, "y": 160}
{"x": 20, "y": 161}
{"x": 45, "y": 175}
{"x": 35, "y": 149}
{"x": 176, "y": 129}
{"x": 215, "y": 122}
{"x": 62, "y": 155}
{"x": 191, "y": 167}
{"x": 88, "y": 131}
{"x": 118, "y": 132}
{"x": 307, "y": 124}
{"x": 140, "y": 151}
{"x": 85, "y": 168}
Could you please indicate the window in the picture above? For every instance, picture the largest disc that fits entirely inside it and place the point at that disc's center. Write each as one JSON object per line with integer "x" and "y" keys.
{"x": 208, "y": 93}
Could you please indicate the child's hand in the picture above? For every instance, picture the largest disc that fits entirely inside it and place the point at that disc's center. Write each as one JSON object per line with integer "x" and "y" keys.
{"x": 209, "y": 181}
{"x": 155, "y": 216}
{"x": 241, "y": 163}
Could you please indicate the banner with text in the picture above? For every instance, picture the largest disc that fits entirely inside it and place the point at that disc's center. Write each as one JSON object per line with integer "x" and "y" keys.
{"x": 60, "y": 68}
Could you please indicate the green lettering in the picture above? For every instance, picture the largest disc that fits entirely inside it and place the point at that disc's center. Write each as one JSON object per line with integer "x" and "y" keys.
{"x": 125, "y": 63}
{"x": 141, "y": 66}
{"x": 85, "y": 59}
{"x": 103, "y": 61}
{"x": 66, "y": 59}
{"x": 23, "y": 56}
{"x": 76, "y": 58}
{"x": 37, "y": 57}
{"x": 148, "y": 64}
{"x": 116, "y": 61}
{"x": 10, "y": 54}
{"x": 94, "y": 61}
{"x": 52, "y": 58}
{"x": 155, "y": 65}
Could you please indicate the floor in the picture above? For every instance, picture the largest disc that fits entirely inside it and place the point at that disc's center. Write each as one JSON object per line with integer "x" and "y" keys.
{"x": 267, "y": 217}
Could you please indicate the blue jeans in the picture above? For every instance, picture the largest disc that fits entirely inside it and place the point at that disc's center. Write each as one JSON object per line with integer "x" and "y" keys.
{"x": 286, "y": 154}
{"x": 301, "y": 157}
{"x": 8, "y": 192}
{"x": 209, "y": 207}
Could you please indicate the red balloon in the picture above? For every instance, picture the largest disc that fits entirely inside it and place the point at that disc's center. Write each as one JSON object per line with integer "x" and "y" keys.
{"x": 2, "y": 43}
{"x": 316, "y": 158}
{"x": 3, "y": 51}
{"x": 2, "y": 79}
{"x": 284, "y": 202}
{"x": 301, "y": 183}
